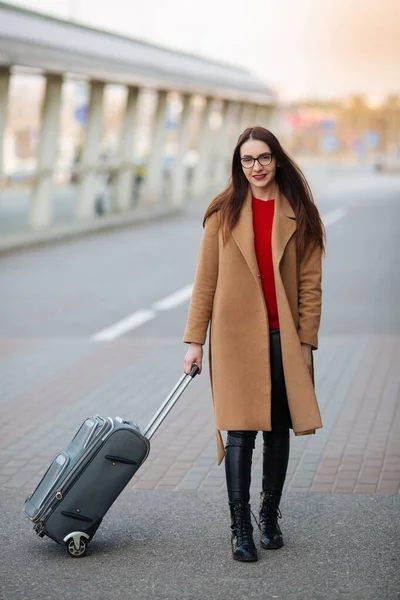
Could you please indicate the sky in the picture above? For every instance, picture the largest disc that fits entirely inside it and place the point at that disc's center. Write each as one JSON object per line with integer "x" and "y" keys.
{"x": 302, "y": 48}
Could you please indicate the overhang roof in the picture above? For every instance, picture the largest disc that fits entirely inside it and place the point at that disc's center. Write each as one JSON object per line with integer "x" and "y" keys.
{"x": 31, "y": 39}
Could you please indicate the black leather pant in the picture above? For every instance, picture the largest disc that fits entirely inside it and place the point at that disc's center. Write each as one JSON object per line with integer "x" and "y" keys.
{"x": 238, "y": 458}
{"x": 240, "y": 444}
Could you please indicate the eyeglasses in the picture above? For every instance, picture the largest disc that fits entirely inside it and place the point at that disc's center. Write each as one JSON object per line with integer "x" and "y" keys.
{"x": 264, "y": 160}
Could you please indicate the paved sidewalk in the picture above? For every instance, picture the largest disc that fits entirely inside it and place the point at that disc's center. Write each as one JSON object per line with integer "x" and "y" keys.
{"x": 357, "y": 380}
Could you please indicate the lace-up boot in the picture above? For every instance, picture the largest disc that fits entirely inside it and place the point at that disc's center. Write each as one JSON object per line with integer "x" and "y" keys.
{"x": 243, "y": 547}
{"x": 271, "y": 534}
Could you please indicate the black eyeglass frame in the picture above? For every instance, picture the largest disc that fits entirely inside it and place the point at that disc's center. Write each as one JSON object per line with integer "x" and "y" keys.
{"x": 257, "y": 159}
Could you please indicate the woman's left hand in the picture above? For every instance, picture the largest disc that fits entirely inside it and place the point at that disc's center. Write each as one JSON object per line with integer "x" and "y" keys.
{"x": 307, "y": 353}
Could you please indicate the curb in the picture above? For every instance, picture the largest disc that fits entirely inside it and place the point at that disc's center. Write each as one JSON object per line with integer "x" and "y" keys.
{"x": 62, "y": 233}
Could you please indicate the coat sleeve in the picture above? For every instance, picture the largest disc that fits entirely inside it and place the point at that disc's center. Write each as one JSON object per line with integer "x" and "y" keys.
{"x": 205, "y": 283}
{"x": 310, "y": 297}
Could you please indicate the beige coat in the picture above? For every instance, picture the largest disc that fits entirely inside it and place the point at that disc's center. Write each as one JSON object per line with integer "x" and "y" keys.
{"x": 227, "y": 292}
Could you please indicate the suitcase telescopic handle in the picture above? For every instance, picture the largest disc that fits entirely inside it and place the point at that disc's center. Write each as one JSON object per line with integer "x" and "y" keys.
{"x": 169, "y": 402}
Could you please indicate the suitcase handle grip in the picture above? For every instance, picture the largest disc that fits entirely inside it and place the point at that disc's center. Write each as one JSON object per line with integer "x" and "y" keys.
{"x": 170, "y": 401}
{"x": 194, "y": 371}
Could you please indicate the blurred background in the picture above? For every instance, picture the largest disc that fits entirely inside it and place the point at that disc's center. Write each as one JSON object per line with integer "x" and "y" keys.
{"x": 87, "y": 90}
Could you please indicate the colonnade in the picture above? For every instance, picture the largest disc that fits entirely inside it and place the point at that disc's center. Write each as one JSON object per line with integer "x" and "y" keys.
{"x": 234, "y": 117}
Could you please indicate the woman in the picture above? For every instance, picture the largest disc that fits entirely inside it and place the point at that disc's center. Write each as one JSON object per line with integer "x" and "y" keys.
{"x": 258, "y": 281}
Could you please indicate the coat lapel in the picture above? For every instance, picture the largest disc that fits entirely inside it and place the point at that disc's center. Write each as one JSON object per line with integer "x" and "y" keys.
{"x": 284, "y": 226}
{"x": 243, "y": 235}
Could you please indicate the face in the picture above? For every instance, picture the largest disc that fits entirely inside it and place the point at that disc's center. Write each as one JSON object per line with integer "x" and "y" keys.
{"x": 259, "y": 176}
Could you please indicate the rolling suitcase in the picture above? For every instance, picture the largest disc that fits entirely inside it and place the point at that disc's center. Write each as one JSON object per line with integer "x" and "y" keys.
{"x": 82, "y": 483}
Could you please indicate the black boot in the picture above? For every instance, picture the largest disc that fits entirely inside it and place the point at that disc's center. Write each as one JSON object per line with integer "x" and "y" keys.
{"x": 243, "y": 547}
{"x": 271, "y": 534}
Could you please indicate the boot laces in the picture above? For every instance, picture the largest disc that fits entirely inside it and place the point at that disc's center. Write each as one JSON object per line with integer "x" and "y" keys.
{"x": 269, "y": 510}
{"x": 255, "y": 518}
{"x": 270, "y": 513}
{"x": 244, "y": 529}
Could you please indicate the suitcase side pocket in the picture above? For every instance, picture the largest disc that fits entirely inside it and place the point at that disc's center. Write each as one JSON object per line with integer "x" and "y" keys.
{"x": 47, "y": 487}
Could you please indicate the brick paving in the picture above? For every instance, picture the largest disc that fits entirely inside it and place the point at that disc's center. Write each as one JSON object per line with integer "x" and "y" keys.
{"x": 363, "y": 452}
{"x": 357, "y": 379}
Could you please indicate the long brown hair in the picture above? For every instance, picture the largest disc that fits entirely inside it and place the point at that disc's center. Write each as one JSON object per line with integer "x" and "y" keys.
{"x": 292, "y": 183}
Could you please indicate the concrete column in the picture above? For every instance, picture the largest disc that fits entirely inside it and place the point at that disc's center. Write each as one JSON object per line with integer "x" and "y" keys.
{"x": 241, "y": 119}
{"x": 262, "y": 117}
{"x": 4, "y": 86}
{"x": 179, "y": 175}
{"x": 276, "y": 117}
{"x": 253, "y": 114}
{"x": 201, "y": 181}
{"x": 222, "y": 173}
{"x": 257, "y": 114}
{"x": 125, "y": 178}
{"x": 41, "y": 205}
{"x": 248, "y": 116}
{"x": 269, "y": 117}
{"x": 89, "y": 167}
{"x": 235, "y": 126}
{"x": 153, "y": 184}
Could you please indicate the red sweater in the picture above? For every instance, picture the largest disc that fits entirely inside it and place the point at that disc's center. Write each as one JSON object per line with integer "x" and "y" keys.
{"x": 263, "y": 216}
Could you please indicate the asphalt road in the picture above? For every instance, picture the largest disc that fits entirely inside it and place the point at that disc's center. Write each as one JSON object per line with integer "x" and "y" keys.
{"x": 78, "y": 289}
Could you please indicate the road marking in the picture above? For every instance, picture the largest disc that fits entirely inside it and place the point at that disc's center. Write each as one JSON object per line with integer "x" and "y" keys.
{"x": 174, "y": 299}
{"x": 334, "y": 216}
{"x": 140, "y": 317}
{"x": 114, "y": 331}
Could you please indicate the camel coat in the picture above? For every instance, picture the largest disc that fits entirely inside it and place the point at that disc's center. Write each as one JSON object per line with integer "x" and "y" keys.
{"x": 228, "y": 295}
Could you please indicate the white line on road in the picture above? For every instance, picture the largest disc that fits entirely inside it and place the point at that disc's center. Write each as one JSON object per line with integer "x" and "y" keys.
{"x": 134, "y": 320}
{"x": 334, "y": 216}
{"x": 140, "y": 317}
{"x": 174, "y": 299}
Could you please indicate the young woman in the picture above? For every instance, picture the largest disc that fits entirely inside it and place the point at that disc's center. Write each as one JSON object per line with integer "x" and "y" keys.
{"x": 258, "y": 282}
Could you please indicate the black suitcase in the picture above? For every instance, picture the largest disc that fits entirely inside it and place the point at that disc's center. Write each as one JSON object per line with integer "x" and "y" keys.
{"x": 82, "y": 483}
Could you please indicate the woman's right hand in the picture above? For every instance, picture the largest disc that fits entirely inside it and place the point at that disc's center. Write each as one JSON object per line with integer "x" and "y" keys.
{"x": 193, "y": 355}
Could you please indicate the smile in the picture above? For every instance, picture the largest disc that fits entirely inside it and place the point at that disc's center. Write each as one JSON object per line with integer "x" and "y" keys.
{"x": 260, "y": 177}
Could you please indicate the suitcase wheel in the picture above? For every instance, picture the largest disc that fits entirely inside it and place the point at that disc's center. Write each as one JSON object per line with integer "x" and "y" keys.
{"x": 76, "y": 544}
